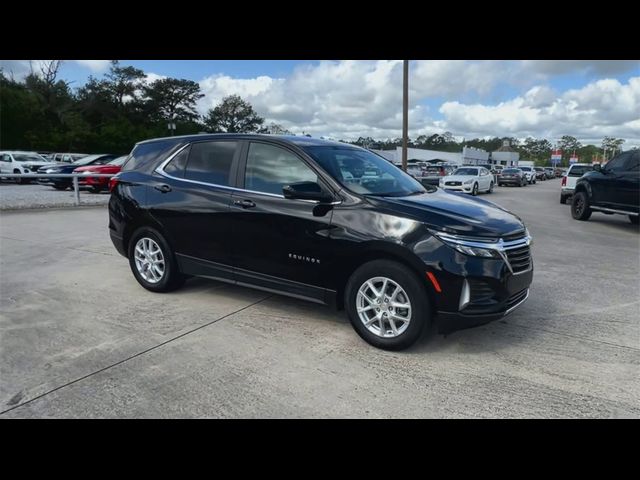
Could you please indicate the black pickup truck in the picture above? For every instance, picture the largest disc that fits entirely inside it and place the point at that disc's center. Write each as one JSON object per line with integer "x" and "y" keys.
{"x": 612, "y": 188}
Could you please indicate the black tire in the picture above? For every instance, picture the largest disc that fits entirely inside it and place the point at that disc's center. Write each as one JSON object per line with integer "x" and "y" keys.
{"x": 634, "y": 219}
{"x": 563, "y": 199}
{"x": 474, "y": 190}
{"x": 416, "y": 291}
{"x": 490, "y": 188}
{"x": 19, "y": 180}
{"x": 580, "y": 209}
{"x": 60, "y": 187}
{"x": 95, "y": 189}
{"x": 172, "y": 278}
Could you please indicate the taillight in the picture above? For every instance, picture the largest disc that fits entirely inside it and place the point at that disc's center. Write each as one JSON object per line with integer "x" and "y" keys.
{"x": 442, "y": 173}
{"x": 113, "y": 181}
{"x": 564, "y": 181}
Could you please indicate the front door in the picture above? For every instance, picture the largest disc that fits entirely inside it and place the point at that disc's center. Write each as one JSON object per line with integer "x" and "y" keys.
{"x": 279, "y": 244}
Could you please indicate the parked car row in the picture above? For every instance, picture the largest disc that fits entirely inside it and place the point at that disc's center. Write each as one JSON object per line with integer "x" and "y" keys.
{"x": 18, "y": 162}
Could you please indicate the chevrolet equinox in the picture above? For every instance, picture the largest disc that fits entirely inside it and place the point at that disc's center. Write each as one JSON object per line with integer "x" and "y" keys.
{"x": 322, "y": 221}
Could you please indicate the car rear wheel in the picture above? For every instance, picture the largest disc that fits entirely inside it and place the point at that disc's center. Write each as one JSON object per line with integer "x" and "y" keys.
{"x": 634, "y": 219}
{"x": 387, "y": 305}
{"x": 152, "y": 261}
{"x": 580, "y": 209}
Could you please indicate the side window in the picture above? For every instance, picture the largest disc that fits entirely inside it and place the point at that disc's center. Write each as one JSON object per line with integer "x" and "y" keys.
{"x": 269, "y": 168}
{"x": 633, "y": 162}
{"x": 146, "y": 154}
{"x": 210, "y": 162}
{"x": 617, "y": 163}
{"x": 176, "y": 166}
{"x": 6, "y": 158}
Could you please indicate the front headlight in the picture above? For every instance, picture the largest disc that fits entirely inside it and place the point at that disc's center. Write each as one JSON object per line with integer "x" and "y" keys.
{"x": 87, "y": 172}
{"x": 475, "y": 247}
{"x": 468, "y": 182}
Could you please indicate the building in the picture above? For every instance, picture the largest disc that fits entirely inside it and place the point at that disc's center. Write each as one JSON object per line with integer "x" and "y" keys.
{"x": 468, "y": 156}
{"x": 505, "y": 156}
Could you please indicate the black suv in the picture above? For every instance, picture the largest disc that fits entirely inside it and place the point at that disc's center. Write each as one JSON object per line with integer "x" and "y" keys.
{"x": 612, "y": 188}
{"x": 322, "y": 221}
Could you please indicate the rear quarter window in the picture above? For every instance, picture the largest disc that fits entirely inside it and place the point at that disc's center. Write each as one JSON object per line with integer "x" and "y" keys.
{"x": 579, "y": 170}
{"x": 145, "y": 155}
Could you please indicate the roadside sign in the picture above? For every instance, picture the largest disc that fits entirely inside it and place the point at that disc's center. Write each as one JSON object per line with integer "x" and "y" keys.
{"x": 573, "y": 159}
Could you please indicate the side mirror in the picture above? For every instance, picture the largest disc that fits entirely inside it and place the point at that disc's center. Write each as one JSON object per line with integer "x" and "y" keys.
{"x": 597, "y": 167}
{"x": 306, "y": 191}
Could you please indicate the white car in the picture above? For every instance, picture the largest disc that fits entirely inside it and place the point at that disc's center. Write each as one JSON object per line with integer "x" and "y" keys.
{"x": 529, "y": 173}
{"x": 569, "y": 179}
{"x": 21, "y": 162}
{"x": 469, "y": 180}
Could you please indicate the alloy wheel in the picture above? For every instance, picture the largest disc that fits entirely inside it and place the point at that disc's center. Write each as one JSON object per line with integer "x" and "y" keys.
{"x": 149, "y": 260}
{"x": 383, "y": 307}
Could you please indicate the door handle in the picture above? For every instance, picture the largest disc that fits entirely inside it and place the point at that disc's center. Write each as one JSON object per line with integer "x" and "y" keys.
{"x": 244, "y": 203}
{"x": 163, "y": 188}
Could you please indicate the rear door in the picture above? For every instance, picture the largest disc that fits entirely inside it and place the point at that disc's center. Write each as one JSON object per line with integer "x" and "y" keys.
{"x": 278, "y": 243}
{"x": 608, "y": 187}
{"x": 190, "y": 196}
{"x": 630, "y": 182}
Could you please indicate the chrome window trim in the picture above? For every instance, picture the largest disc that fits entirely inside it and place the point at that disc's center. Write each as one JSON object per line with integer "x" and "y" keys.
{"x": 160, "y": 170}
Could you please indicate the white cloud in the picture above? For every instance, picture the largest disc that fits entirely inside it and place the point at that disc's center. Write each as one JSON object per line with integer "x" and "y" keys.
{"x": 96, "y": 66}
{"x": 603, "y": 107}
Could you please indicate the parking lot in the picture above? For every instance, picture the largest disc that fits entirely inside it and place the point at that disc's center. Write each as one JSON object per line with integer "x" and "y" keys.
{"x": 80, "y": 338}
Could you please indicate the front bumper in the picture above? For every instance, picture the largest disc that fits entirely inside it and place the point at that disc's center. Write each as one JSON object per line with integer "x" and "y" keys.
{"x": 458, "y": 188}
{"x": 448, "y": 322}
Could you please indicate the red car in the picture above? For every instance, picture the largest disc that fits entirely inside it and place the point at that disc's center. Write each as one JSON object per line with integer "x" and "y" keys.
{"x": 97, "y": 184}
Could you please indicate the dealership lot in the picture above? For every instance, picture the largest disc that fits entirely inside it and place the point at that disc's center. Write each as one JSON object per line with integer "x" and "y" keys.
{"x": 17, "y": 197}
{"x": 80, "y": 338}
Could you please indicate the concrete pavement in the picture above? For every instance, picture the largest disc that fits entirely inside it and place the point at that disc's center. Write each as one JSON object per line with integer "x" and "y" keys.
{"x": 80, "y": 338}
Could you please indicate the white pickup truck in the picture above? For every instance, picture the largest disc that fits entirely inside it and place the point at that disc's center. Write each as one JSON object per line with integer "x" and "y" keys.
{"x": 569, "y": 179}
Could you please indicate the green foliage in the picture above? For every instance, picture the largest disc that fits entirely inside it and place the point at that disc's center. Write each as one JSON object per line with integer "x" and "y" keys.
{"x": 104, "y": 116}
{"x": 233, "y": 115}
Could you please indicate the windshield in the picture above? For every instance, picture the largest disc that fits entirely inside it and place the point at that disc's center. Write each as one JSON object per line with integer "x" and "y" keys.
{"x": 363, "y": 172}
{"x": 118, "y": 161}
{"x": 510, "y": 170}
{"x": 526, "y": 169}
{"x": 579, "y": 170}
{"x": 466, "y": 171}
{"x": 26, "y": 157}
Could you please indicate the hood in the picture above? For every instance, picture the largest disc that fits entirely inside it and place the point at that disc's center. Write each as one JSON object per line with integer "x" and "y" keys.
{"x": 455, "y": 213}
{"x": 65, "y": 168}
{"x": 98, "y": 168}
{"x": 38, "y": 164}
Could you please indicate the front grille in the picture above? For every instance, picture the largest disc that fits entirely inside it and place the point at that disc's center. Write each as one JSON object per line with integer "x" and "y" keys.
{"x": 519, "y": 258}
{"x": 453, "y": 184}
{"x": 514, "y": 236}
{"x": 516, "y": 298}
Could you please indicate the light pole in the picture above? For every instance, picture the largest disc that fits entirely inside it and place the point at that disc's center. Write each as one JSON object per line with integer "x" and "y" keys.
{"x": 172, "y": 128}
{"x": 405, "y": 112}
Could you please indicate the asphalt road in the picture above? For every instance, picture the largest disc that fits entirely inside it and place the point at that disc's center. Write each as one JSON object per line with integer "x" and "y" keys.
{"x": 80, "y": 338}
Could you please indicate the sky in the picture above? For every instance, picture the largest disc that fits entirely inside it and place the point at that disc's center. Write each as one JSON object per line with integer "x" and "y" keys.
{"x": 352, "y": 98}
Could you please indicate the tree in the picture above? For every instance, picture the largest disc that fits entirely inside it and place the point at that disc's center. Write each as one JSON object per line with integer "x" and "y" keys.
{"x": 568, "y": 144}
{"x": 611, "y": 144}
{"x": 172, "y": 99}
{"x": 275, "y": 129}
{"x": 233, "y": 115}
{"x": 124, "y": 82}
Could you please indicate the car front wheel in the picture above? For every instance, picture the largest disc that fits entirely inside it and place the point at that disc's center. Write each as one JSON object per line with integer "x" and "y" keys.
{"x": 387, "y": 305}
{"x": 474, "y": 190}
{"x": 634, "y": 219}
{"x": 152, "y": 261}
{"x": 580, "y": 209}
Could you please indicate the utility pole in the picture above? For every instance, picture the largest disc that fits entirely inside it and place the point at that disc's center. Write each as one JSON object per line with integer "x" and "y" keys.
{"x": 405, "y": 112}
